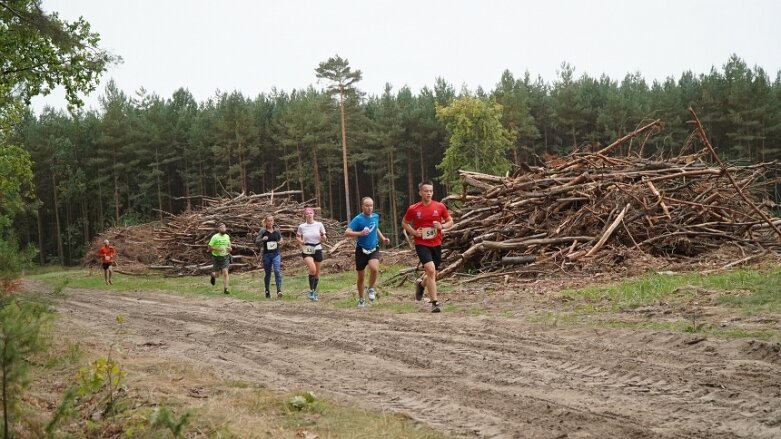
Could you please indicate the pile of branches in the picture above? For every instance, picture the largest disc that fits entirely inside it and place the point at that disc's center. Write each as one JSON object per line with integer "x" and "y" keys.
{"x": 180, "y": 244}
{"x": 594, "y": 208}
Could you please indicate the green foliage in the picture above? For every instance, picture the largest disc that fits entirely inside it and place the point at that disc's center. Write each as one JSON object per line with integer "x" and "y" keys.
{"x": 65, "y": 53}
{"x": 142, "y": 155}
{"x": 16, "y": 184}
{"x": 302, "y": 402}
{"x": 23, "y": 329}
{"x": 12, "y": 261}
{"x": 165, "y": 419}
{"x": 476, "y": 139}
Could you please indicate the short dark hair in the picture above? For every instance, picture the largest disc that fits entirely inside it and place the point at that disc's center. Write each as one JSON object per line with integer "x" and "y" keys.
{"x": 425, "y": 182}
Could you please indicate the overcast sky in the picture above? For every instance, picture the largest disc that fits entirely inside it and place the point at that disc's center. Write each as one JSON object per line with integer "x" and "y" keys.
{"x": 252, "y": 46}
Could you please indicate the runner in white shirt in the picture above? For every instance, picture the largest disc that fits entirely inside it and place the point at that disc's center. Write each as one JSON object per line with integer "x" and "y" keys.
{"x": 310, "y": 235}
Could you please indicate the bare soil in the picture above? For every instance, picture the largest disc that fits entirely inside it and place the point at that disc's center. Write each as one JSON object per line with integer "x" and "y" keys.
{"x": 495, "y": 375}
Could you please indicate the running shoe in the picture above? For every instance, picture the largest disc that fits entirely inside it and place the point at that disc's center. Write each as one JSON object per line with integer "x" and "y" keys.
{"x": 435, "y": 308}
{"x": 361, "y": 302}
{"x": 372, "y": 294}
{"x": 268, "y": 294}
{"x": 312, "y": 296}
{"x": 279, "y": 294}
{"x": 211, "y": 279}
{"x": 226, "y": 291}
{"x": 419, "y": 290}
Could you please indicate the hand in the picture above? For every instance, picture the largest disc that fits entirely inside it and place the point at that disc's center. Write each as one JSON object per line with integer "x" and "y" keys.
{"x": 230, "y": 249}
{"x": 417, "y": 233}
{"x": 265, "y": 238}
{"x": 385, "y": 241}
{"x": 365, "y": 231}
{"x": 437, "y": 225}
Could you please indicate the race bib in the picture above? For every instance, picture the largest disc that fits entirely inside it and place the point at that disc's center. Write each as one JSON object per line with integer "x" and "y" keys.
{"x": 309, "y": 249}
{"x": 368, "y": 252}
{"x": 271, "y": 245}
{"x": 428, "y": 233}
{"x": 222, "y": 251}
{"x": 107, "y": 258}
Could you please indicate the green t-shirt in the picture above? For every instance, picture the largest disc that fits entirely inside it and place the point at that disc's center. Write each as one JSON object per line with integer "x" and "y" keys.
{"x": 220, "y": 243}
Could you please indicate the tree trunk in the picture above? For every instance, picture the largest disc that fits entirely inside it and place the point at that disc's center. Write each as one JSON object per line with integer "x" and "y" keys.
{"x": 116, "y": 193}
{"x": 60, "y": 254}
{"x": 410, "y": 181}
{"x": 422, "y": 165}
{"x": 287, "y": 170}
{"x": 392, "y": 198}
{"x": 300, "y": 172}
{"x": 159, "y": 189}
{"x": 41, "y": 249}
{"x": 344, "y": 155}
{"x": 316, "y": 174}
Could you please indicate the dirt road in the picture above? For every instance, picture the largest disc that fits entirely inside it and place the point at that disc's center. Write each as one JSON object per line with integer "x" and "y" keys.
{"x": 483, "y": 376}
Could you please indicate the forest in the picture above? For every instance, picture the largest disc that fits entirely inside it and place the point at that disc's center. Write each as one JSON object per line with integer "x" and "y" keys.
{"x": 141, "y": 156}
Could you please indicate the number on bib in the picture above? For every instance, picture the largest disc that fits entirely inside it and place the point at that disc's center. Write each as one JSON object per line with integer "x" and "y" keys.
{"x": 428, "y": 233}
{"x": 309, "y": 249}
{"x": 271, "y": 245}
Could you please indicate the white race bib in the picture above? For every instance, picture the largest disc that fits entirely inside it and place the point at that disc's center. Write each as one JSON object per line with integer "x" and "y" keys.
{"x": 368, "y": 252}
{"x": 271, "y": 245}
{"x": 107, "y": 258}
{"x": 428, "y": 233}
{"x": 309, "y": 249}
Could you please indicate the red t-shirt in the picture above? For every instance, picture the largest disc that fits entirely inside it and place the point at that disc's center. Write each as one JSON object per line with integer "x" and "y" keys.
{"x": 421, "y": 216}
{"x": 106, "y": 254}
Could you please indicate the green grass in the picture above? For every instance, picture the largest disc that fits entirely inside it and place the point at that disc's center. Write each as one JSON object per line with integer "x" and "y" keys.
{"x": 762, "y": 285}
{"x": 248, "y": 286}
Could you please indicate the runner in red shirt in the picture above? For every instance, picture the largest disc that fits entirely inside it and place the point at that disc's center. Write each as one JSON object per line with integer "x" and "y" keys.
{"x": 425, "y": 221}
{"x": 106, "y": 254}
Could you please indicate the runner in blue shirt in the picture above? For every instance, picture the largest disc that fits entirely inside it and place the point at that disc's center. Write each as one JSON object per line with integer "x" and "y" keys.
{"x": 366, "y": 228}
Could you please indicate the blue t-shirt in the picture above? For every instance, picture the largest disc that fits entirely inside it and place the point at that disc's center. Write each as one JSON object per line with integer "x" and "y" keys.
{"x": 368, "y": 242}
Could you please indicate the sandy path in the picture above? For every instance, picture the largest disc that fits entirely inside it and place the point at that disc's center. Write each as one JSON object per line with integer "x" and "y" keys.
{"x": 473, "y": 376}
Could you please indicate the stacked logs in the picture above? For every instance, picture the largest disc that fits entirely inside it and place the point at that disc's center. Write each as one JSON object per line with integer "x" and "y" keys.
{"x": 591, "y": 208}
{"x": 180, "y": 244}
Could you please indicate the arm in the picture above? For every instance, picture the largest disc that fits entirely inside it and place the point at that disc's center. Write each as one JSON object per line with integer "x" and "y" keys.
{"x": 350, "y": 233}
{"x": 385, "y": 240}
{"x": 408, "y": 227}
{"x": 448, "y": 224}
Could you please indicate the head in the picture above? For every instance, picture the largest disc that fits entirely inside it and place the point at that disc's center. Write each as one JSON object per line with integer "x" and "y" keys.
{"x": 221, "y": 228}
{"x": 105, "y": 242}
{"x": 269, "y": 222}
{"x": 367, "y": 205}
{"x": 309, "y": 214}
{"x": 426, "y": 191}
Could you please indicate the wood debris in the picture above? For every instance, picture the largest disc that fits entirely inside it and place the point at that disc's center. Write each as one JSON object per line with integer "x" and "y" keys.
{"x": 592, "y": 209}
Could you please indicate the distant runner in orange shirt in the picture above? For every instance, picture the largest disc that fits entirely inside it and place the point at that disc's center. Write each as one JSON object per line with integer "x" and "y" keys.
{"x": 106, "y": 254}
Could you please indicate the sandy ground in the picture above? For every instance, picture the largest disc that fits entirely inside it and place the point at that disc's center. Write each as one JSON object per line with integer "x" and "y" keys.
{"x": 496, "y": 375}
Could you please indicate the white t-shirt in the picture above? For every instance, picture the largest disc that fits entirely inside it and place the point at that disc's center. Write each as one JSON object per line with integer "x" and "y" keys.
{"x": 310, "y": 233}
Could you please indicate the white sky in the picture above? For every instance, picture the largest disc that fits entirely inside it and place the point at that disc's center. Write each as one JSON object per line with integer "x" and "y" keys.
{"x": 252, "y": 46}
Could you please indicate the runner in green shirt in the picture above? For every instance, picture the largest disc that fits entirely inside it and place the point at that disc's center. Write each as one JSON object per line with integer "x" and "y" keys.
{"x": 220, "y": 248}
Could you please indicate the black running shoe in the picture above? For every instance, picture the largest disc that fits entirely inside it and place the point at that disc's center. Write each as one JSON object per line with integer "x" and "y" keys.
{"x": 419, "y": 290}
{"x": 211, "y": 279}
{"x": 435, "y": 308}
{"x": 268, "y": 294}
{"x": 226, "y": 291}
